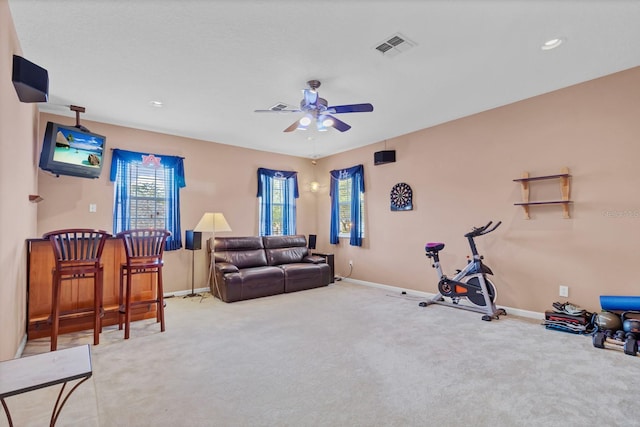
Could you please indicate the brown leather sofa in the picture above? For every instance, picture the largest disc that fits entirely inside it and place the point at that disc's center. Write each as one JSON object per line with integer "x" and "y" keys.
{"x": 254, "y": 267}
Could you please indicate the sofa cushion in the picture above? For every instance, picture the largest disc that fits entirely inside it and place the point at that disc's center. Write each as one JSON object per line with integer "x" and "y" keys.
{"x": 273, "y": 242}
{"x": 301, "y": 276}
{"x": 238, "y": 243}
{"x": 252, "y": 283}
{"x": 285, "y": 255}
{"x": 243, "y": 252}
{"x": 285, "y": 249}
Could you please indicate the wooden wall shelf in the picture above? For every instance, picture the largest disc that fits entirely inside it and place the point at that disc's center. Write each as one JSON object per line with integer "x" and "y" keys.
{"x": 565, "y": 189}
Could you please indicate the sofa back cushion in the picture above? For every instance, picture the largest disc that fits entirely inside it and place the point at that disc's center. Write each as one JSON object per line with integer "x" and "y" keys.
{"x": 285, "y": 249}
{"x": 243, "y": 252}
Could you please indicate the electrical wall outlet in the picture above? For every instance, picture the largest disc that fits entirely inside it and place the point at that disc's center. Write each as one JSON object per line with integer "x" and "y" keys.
{"x": 350, "y": 263}
{"x": 93, "y": 207}
{"x": 564, "y": 291}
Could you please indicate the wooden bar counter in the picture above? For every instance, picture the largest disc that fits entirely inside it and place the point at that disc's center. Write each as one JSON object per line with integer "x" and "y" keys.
{"x": 77, "y": 294}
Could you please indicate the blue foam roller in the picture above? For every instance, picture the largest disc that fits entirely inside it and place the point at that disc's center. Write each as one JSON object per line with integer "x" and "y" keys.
{"x": 614, "y": 302}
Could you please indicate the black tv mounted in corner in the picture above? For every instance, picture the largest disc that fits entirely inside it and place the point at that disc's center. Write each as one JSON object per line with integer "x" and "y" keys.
{"x": 73, "y": 151}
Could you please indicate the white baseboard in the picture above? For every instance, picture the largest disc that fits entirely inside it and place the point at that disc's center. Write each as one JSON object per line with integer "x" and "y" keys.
{"x": 21, "y": 347}
{"x": 187, "y": 292}
{"x": 411, "y": 292}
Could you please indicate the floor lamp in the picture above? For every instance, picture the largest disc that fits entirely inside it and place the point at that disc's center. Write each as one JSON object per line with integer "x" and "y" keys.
{"x": 211, "y": 222}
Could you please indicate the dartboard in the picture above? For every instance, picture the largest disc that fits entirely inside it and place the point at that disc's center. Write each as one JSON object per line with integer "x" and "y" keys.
{"x": 401, "y": 197}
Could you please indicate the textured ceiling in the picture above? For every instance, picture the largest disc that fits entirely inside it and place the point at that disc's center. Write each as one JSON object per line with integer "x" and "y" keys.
{"x": 212, "y": 63}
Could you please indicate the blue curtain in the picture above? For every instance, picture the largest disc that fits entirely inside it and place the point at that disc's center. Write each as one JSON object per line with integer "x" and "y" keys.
{"x": 290, "y": 189}
{"x": 121, "y": 205}
{"x": 172, "y": 168}
{"x": 356, "y": 173}
{"x": 265, "y": 193}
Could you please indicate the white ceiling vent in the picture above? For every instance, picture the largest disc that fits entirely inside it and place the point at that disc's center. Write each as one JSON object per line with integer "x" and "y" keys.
{"x": 394, "y": 45}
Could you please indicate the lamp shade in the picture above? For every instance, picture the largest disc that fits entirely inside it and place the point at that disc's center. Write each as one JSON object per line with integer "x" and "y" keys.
{"x": 212, "y": 222}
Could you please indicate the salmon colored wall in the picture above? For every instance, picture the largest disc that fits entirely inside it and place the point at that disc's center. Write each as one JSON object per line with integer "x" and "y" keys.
{"x": 462, "y": 175}
{"x": 18, "y": 143}
{"x": 220, "y": 178}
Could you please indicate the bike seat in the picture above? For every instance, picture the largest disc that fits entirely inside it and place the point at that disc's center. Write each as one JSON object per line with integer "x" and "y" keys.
{"x": 434, "y": 247}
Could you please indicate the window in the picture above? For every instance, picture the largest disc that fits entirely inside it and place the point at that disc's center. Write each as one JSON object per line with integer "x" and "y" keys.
{"x": 277, "y": 194}
{"x": 146, "y": 193}
{"x": 147, "y": 197}
{"x": 344, "y": 205}
{"x": 347, "y": 205}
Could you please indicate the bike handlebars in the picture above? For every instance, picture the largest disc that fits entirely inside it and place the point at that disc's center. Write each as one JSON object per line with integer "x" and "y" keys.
{"x": 479, "y": 231}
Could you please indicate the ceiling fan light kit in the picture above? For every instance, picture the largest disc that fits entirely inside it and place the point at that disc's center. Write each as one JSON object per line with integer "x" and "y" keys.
{"x": 317, "y": 109}
{"x": 305, "y": 121}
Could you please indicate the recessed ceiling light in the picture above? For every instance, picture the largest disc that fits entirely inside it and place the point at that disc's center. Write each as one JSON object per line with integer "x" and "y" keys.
{"x": 552, "y": 43}
{"x": 157, "y": 104}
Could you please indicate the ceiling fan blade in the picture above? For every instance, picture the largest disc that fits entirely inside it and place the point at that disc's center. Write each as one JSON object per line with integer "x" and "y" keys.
{"x": 339, "y": 124}
{"x": 293, "y": 126}
{"x": 352, "y": 108}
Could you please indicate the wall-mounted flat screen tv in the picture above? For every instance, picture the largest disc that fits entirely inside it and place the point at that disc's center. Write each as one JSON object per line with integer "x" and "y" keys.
{"x": 69, "y": 150}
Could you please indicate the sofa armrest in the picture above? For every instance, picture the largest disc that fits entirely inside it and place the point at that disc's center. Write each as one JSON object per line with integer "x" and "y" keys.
{"x": 314, "y": 259}
{"x": 225, "y": 267}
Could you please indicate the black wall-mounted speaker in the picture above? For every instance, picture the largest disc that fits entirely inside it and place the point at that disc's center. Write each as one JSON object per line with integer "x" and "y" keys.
{"x": 30, "y": 80}
{"x": 382, "y": 157}
{"x": 312, "y": 241}
{"x": 193, "y": 240}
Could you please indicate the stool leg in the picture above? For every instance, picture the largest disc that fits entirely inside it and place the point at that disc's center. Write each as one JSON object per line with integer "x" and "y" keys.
{"x": 97, "y": 291}
{"x": 120, "y": 299}
{"x": 160, "y": 300}
{"x": 127, "y": 306}
{"x": 101, "y": 293}
{"x": 55, "y": 310}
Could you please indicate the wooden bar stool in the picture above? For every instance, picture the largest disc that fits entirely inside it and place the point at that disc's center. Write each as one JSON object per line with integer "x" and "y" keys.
{"x": 144, "y": 249}
{"x": 77, "y": 255}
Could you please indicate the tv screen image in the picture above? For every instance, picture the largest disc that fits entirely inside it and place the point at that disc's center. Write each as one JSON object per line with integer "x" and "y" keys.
{"x": 69, "y": 150}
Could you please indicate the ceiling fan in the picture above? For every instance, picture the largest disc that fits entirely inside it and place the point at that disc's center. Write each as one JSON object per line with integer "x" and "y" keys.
{"x": 317, "y": 109}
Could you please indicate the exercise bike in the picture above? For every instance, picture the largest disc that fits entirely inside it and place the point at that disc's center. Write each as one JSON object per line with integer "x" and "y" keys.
{"x": 470, "y": 283}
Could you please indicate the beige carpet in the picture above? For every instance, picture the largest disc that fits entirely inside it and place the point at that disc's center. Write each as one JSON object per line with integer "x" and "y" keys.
{"x": 344, "y": 355}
